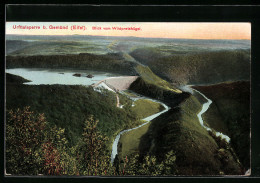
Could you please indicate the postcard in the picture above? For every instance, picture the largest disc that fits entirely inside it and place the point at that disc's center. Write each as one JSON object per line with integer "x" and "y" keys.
{"x": 127, "y": 99}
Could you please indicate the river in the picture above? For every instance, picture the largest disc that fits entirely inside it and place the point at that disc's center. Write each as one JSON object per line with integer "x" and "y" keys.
{"x": 65, "y": 77}
{"x": 205, "y": 107}
{"x": 147, "y": 119}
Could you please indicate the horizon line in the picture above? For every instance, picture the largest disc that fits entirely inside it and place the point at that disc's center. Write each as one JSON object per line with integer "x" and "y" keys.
{"x": 119, "y": 36}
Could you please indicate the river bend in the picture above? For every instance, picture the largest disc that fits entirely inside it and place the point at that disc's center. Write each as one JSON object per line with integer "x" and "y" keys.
{"x": 147, "y": 119}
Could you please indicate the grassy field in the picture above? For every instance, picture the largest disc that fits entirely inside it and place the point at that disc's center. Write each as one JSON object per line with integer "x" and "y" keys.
{"x": 149, "y": 77}
{"x": 130, "y": 141}
{"x": 144, "y": 108}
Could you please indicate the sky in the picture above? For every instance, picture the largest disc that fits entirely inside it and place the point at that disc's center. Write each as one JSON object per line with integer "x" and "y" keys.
{"x": 151, "y": 29}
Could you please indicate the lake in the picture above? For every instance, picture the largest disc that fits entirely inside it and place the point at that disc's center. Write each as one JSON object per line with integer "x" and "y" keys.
{"x": 59, "y": 76}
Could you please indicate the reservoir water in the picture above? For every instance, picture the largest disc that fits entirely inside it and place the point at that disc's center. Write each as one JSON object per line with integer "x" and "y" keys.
{"x": 65, "y": 77}
{"x": 59, "y": 76}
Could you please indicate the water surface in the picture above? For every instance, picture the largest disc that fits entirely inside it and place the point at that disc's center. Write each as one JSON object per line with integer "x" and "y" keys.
{"x": 59, "y": 76}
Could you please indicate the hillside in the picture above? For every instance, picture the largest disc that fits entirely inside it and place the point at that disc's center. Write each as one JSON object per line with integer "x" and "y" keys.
{"x": 230, "y": 113}
{"x": 10, "y": 78}
{"x": 196, "y": 67}
{"x": 69, "y": 106}
{"x": 181, "y": 61}
{"x": 108, "y": 62}
{"x": 158, "y": 89}
{"x": 163, "y": 67}
{"x": 197, "y": 151}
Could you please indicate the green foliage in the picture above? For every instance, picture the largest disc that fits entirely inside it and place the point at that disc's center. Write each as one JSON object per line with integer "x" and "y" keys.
{"x": 230, "y": 114}
{"x": 107, "y": 62}
{"x": 44, "y": 150}
{"x": 94, "y": 157}
{"x": 170, "y": 167}
{"x": 149, "y": 77}
{"x": 33, "y": 147}
{"x": 24, "y": 136}
{"x": 59, "y": 159}
{"x": 68, "y": 106}
{"x": 151, "y": 90}
{"x": 195, "y": 149}
{"x": 197, "y": 67}
{"x": 177, "y": 142}
{"x": 148, "y": 165}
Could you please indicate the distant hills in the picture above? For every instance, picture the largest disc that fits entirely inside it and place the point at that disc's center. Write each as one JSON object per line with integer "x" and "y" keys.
{"x": 181, "y": 61}
{"x": 245, "y": 43}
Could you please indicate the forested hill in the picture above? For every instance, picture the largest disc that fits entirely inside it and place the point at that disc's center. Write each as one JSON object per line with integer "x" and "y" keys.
{"x": 108, "y": 63}
{"x": 197, "y": 67}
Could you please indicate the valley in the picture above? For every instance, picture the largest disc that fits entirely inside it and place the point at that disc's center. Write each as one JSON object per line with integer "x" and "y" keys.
{"x": 137, "y": 95}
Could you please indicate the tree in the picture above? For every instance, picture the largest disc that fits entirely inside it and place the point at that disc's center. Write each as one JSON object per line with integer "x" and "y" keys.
{"x": 58, "y": 157}
{"x": 24, "y": 136}
{"x": 170, "y": 167}
{"x": 92, "y": 151}
{"x": 52, "y": 164}
{"x": 149, "y": 165}
{"x": 34, "y": 147}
